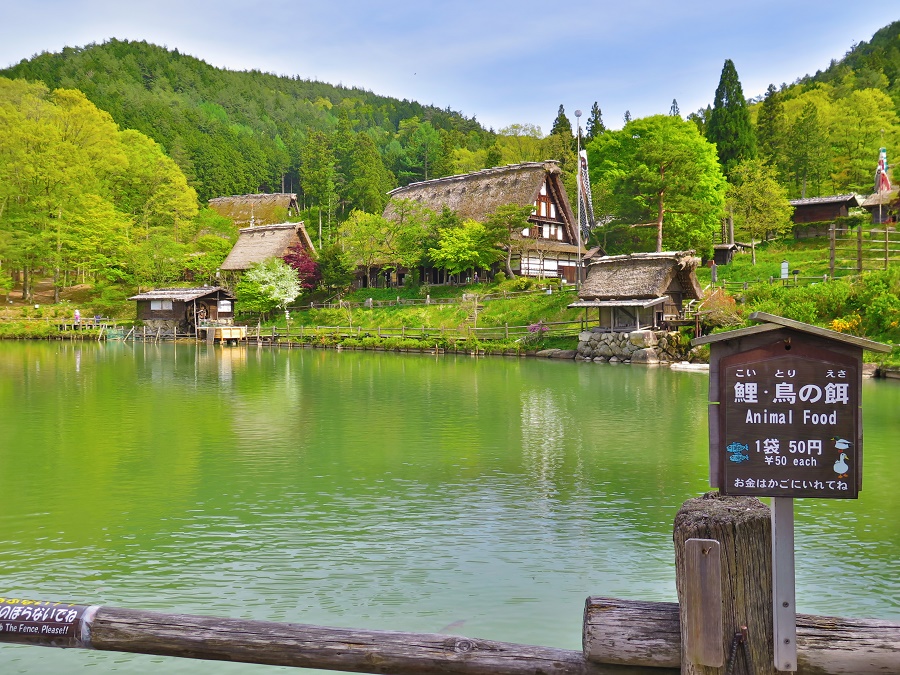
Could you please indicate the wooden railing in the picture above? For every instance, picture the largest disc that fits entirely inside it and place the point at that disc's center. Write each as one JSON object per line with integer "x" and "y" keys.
{"x": 304, "y": 334}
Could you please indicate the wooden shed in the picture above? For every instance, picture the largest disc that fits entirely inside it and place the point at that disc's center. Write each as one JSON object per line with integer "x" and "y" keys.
{"x": 183, "y": 309}
{"x": 822, "y": 209}
{"x": 260, "y": 209}
{"x": 548, "y": 248}
{"x": 640, "y": 290}
{"x": 258, "y": 244}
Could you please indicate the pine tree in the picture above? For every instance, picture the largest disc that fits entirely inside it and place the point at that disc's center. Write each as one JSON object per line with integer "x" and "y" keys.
{"x": 562, "y": 125}
{"x": 771, "y": 130}
{"x": 595, "y": 125}
{"x": 729, "y": 124}
{"x": 627, "y": 117}
{"x": 674, "y": 111}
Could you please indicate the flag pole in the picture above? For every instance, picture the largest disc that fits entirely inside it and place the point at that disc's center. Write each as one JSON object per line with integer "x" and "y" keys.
{"x": 578, "y": 195}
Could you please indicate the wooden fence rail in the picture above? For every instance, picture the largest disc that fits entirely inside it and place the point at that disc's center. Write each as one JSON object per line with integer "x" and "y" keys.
{"x": 302, "y": 333}
{"x": 306, "y": 646}
{"x": 649, "y": 633}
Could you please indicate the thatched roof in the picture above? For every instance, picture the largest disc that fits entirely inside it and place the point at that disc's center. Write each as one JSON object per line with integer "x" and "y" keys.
{"x": 263, "y": 209}
{"x": 258, "y": 244}
{"x": 876, "y": 199}
{"x": 641, "y": 275}
{"x": 477, "y": 195}
{"x": 182, "y": 294}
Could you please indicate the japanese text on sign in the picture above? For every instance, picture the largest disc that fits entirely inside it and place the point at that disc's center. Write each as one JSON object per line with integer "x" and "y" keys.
{"x": 789, "y": 426}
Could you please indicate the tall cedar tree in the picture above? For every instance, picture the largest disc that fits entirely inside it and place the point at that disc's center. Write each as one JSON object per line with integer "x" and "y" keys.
{"x": 595, "y": 125}
{"x": 729, "y": 124}
{"x": 771, "y": 130}
{"x": 562, "y": 125}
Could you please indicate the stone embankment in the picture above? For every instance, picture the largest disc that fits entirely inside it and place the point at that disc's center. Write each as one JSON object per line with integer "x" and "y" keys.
{"x": 640, "y": 346}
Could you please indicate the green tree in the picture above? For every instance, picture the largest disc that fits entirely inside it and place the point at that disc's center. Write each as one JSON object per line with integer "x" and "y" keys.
{"x": 317, "y": 173}
{"x": 861, "y": 121}
{"x": 469, "y": 246}
{"x": 772, "y": 130}
{"x": 729, "y": 123}
{"x": 809, "y": 152}
{"x": 562, "y": 126}
{"x": 660, "y": 169}
{"x": 674, "y": 111}
{"x": 759, "y": 203}
{"x": 594, "y": 126}
{"x": 336, "y": 268}
{"x": 369, "y": 181}
{"x": 505, "y": 226}
{"x": 363, "y": 236}
{"x": 268, "y": 285}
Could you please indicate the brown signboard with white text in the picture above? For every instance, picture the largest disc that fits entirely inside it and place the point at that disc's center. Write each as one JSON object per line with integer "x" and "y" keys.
{"x": 789, "y": 422}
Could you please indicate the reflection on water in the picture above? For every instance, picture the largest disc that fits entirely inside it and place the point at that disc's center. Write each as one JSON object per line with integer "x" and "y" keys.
{"x": 401, "y": 492}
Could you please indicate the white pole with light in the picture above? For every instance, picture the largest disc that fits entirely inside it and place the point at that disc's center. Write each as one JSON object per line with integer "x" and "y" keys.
{"x": 578, "y": 195}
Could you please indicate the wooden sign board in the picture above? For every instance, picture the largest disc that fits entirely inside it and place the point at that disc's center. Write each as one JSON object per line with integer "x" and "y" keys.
{"x": 789, "y": 422}
{"x": 784, "y": 415}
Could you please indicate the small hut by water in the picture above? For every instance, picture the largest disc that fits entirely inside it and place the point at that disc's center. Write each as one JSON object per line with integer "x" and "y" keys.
{"x": 640, "y": 290}
{"x": 548, "y": 248}
{"x": 184, "y": 309}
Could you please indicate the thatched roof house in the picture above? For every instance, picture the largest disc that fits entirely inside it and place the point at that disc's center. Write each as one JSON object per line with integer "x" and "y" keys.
{"x": 549, "y": 247}
{"x": 262, "y": 209}
{"x": 258, "y": 244}
{"x": 640, "y": 289}
{"x": 183, "y": 308}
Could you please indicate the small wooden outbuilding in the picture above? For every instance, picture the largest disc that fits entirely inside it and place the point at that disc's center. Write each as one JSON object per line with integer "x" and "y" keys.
{"x": 822, "y": 209}
{"x": 640, "y": 290}
{"x": 183, "y": 309}
{"x": 548, "y": 247}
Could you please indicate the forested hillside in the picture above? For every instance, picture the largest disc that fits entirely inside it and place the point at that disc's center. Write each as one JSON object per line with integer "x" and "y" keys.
{"x": 822, "y": 133}
{"x": 243, "y": 132}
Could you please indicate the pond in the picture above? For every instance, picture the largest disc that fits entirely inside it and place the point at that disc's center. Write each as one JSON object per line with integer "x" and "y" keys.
{"x": 486, "y": 497}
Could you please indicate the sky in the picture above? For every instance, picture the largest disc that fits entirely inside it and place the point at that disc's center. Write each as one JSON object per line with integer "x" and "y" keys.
{"x": 501, "y": 62}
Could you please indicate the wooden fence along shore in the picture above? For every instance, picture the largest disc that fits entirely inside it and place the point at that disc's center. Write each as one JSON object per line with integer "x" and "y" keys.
{"x": 620, "y": 637}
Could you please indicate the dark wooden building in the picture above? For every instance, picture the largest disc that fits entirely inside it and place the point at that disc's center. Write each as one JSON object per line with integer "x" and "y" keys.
{"x": 548, "y": 247}
{"x": 183, "y": 309}
{"x": 640, "y": 290}
{"x": 822, "y": 209}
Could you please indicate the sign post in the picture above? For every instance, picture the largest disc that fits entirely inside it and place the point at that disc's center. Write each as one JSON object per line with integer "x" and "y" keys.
{"x": 785, "y": 422}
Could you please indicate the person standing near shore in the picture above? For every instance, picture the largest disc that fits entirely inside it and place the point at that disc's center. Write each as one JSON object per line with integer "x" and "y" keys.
{"x": 77, "y": 317}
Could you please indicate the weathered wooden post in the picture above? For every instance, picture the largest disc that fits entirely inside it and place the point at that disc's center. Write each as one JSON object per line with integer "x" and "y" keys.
{"x": 724, "y": 578}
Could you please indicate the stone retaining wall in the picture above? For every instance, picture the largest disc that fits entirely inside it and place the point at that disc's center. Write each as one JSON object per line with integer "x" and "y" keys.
{"x": 640, "y": 346}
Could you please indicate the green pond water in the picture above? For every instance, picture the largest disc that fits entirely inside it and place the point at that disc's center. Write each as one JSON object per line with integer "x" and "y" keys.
{"x": 486, "y": 497}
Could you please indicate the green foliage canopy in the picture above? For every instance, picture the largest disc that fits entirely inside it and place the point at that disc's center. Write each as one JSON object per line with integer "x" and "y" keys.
{"x": 660, "y": 169}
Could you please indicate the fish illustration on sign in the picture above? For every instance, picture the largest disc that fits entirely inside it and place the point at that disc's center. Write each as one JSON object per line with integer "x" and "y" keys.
{"x": 739, "y": 452}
